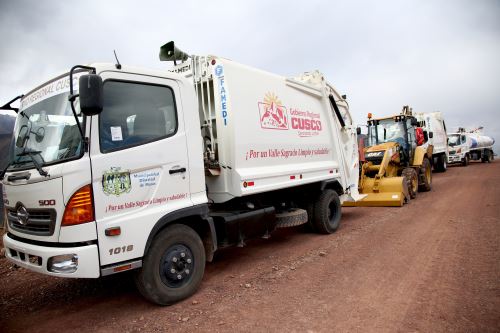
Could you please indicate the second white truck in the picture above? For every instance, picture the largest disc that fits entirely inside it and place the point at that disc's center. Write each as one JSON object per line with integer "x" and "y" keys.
{"x": 434, "y": 128}
{"x": 118, "y": 168}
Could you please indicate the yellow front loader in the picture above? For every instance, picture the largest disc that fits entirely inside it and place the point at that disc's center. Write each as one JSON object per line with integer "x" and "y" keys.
{"x": 396, "y": 164}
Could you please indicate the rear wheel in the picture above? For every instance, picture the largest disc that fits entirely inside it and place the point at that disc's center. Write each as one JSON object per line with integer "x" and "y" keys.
{"x": 411, "y": 178}
{"x": 327, "y": 212}
{"x": 426, "y": 178}
{"x": 440, "y": 166}
{"x": 173, "y": 266}
{"x": 489, "y": 156}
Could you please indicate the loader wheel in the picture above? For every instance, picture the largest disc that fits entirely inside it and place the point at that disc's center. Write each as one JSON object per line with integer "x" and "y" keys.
{"x": 327, "y": 212}
{"x": 411, "y": 178}
{"x": 173, "y": 266}
{"x": 425, "y": 171}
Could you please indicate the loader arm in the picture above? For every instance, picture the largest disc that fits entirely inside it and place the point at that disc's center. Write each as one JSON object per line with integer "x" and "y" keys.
{"x": 385, "y": 188}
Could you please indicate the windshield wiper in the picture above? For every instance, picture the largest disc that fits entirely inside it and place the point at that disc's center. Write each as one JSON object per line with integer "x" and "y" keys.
{"x": 30, "y": 153}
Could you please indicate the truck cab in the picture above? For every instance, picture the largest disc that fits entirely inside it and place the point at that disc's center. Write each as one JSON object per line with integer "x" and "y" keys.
{"x": 76, "y": 183}
{"x": 459, "y": 148}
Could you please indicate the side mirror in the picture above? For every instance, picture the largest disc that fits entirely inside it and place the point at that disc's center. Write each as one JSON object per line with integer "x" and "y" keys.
{"x": 90, "y": 90}
{"x": 431, "y": 135}
{"x": 426, "y": 136}
{"x": 22, "y": 136}
{"x": 358, "y": 130}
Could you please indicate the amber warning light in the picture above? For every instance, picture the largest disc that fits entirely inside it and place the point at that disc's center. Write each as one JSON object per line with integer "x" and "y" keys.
{"x": 80, "y": 208}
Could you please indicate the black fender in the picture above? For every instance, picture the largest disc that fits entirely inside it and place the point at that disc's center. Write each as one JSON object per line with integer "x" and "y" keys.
{"x": 332, "y": 184}
{"x": 190, "y": 216}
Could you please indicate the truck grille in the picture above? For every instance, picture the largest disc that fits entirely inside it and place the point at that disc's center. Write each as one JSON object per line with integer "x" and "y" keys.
{"x": 40, "y": 222}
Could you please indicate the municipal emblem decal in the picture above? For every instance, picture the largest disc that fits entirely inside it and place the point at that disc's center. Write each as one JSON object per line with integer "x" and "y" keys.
{"x": 273, "y": 114}
{"x": 116, "y": 182}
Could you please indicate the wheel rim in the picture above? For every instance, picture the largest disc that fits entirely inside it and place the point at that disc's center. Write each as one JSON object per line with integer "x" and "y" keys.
{"x": 176, "y": 267}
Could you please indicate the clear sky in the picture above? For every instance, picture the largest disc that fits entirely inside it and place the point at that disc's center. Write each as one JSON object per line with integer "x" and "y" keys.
{"x": 430, "y": 54}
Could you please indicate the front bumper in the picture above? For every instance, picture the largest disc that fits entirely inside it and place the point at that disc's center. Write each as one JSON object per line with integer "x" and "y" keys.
{"x": 35, "y": 257}
{"x": 457, "y": 158}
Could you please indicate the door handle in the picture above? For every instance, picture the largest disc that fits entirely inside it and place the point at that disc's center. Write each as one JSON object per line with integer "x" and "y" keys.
{"x": 172, "y": 171}
{"x": 24, "y": 175}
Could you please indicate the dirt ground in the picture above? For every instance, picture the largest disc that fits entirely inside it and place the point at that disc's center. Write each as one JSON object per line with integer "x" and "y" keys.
{"x": 431, "y": 266}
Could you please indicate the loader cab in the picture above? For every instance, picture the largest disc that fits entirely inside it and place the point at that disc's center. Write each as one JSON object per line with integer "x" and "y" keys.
{"x": 400, "y": 129}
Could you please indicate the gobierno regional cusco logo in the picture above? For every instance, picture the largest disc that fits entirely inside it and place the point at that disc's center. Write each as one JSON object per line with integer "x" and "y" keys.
{"x": 273, "y": 115}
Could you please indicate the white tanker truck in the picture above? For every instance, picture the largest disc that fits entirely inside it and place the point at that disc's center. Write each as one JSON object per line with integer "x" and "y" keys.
{"x": 470, "y": 145}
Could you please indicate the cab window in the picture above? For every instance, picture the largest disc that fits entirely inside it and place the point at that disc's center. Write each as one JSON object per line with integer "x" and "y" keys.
{"x": 134, "y": 114}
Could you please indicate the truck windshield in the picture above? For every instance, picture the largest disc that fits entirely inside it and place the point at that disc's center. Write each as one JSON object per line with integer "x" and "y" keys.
{"x": 386, "y": 130}
{"x": 453, "y": 140}
{"x": 47, "y": 129}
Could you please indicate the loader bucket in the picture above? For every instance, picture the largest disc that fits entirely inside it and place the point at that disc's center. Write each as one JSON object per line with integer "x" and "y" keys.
{"x": 383, "y": 192}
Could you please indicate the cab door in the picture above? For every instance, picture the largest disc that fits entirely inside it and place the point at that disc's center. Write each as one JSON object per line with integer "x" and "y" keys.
{"x": 139, "y": 161}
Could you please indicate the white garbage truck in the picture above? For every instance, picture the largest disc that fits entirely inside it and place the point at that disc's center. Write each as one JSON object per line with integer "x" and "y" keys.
{"x": 434, "y": 129}
{"x": 470, "y": 145}
{"x": 118, "y": 168}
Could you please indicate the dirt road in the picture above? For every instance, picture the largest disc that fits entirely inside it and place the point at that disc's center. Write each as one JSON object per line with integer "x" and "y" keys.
{"x": 431, "y": 266}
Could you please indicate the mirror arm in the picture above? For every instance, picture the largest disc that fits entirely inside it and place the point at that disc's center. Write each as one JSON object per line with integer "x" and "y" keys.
{"x": 8, "y": 106}
{"x": 71, "y": 98}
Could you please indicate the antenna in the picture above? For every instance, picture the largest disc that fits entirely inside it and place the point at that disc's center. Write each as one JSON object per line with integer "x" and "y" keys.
{"x": 117, "y": 65}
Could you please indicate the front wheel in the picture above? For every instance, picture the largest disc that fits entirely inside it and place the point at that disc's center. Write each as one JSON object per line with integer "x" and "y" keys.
{"x": 327, "y": 212}
{"x": 173, "y": 266}
{"x": 465, "y": 161}
{"x": 411, "y": 179}
{"x": 426, "y": 176}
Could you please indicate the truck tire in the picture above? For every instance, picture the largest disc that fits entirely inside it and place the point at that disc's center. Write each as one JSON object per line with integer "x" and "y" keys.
{"x": 291, "y": 218}
{"x": 425, "y": 171}
{"x": 327, "y": 212}
{"x": 440, "y": 166}
{"x": 465, "y": 161}
{"x": 489, "y": 156}
{"x": 173, "y": 267}
{"x": 411, "y": 180}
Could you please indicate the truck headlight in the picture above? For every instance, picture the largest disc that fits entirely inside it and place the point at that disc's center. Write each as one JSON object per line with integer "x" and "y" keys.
{"x": 66, "y": 263}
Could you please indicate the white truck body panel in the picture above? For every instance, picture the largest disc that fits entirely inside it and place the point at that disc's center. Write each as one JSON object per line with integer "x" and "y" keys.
{"x": 274, "y": 132}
